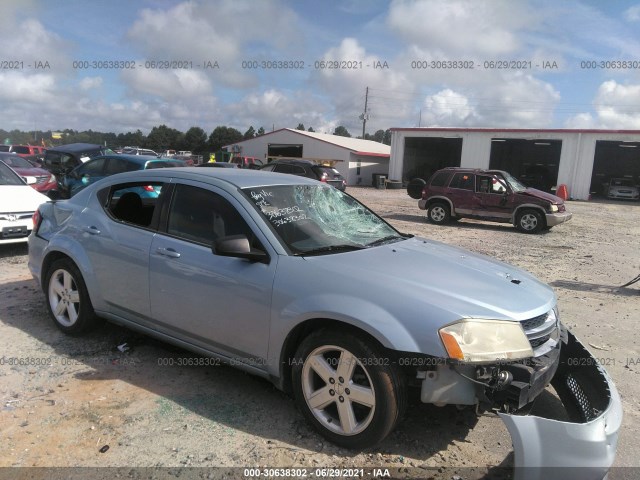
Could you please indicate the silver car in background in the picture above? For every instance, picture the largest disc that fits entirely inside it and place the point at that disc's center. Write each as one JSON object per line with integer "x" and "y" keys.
{"x": 297, "y": 282}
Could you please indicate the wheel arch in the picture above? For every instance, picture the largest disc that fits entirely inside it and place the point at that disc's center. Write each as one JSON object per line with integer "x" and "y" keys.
{"x": 441, "y": 199}
{"x": 306, "y": 328}
{"x": 81, "y": 261}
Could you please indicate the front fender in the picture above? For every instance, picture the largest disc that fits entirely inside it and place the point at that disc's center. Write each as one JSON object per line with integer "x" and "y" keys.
{"x": 581, "y": 449}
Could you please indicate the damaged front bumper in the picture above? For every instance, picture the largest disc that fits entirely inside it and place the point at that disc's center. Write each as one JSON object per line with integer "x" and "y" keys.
{"x": 583, "y": 448}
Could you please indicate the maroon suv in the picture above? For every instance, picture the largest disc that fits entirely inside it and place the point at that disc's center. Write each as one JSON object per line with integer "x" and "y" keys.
{"x": 494, "y": 195}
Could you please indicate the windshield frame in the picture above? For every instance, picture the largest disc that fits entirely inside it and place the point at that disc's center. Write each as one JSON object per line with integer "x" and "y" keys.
{"x": 385, "y": 230}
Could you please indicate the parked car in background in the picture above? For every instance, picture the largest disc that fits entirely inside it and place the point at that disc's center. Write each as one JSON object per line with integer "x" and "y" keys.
{"x": 40, "y": 179}
{"x": 252, "y": 163}
{"x": 64, "y": 158}
{"x": 494, "y": 195}
{"x": 354, "y": 318}
{"x": 218, "y": 165}
{"x": 100, "y": 167}
{"x": 139, "y": 151}
{"x": 18, "y": 204}
{"x": 23, "y": 150}
{"x": 622, "y": 188}
{"x": 307, "y": 168}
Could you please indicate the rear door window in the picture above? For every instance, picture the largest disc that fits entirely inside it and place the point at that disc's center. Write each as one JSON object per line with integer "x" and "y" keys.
{"x": 439, "y": 179}
{"x": 462, "y": 181}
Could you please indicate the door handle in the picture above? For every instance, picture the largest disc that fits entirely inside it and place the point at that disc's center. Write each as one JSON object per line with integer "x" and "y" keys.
{"x": 168, "y": 252}
{"x": 92, "y": 230}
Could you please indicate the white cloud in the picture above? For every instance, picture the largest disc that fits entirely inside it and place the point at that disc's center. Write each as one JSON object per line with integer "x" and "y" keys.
{"x": 465, "y": 27}
{"x": 220, "y": 31}
{"x": 346, "y": 88}
{"x": 447, "y": 108}
{"x": 616, "y": 107}
{"x": 17, "y": 87}
{"x": 632, "y": 14}
{"x": 90, "y": 83}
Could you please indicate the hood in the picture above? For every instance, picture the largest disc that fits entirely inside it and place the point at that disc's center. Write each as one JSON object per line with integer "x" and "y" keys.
{"x": 20, "y": 198}
{"x": 533, "y": 192}
{"x": 31, "y": 172}
{"x": 449, "y": 279}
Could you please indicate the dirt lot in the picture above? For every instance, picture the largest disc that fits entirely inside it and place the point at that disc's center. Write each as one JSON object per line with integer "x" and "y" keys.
{"x": 72, "y": 396}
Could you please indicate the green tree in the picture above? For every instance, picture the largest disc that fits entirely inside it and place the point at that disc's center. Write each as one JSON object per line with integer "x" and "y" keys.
{"x": 163, "y": 138}
{"x": 222, "y": 136}
{"x": 131, "y": 139}
{"x": 260, "y": 131}
{"x": 387, "y": 137}
{"x": 300, "y": 127}
{"x": 378, "y": 136}
{"x": 341, "y": 131}
{"x": 250, "y": 133}
{"x": 310, "y": 129}
{"x": 195, "y": 140}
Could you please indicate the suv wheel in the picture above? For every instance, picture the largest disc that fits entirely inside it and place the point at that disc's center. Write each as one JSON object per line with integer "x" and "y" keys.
{"x": 439, "y": 213}
{"x": 529, "y": 221}
{"x": 347, "y": 389}
{"x": 414, "y": 189}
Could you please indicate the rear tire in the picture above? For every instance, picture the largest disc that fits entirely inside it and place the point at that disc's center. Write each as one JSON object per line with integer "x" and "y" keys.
{"x": 347, "y": 389}
{"x": 439, "y": 213}
{"x": 68, "y": 300}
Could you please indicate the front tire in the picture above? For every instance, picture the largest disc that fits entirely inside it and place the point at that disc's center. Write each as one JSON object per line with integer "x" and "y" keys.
{"x": 439, "y": 213}
{"x": 68, "y": 299}
{"x": 529, "y": 221}
{"x": 347, "y": 389}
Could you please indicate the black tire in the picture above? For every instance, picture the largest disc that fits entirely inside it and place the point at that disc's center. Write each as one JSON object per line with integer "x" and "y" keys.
{"x": 414, "y": 189}
{"x": 529, "y": 221}
{"x": 439, "y": 213}
{"x": 68, "y": 301}
{"x": 372, "y": 380}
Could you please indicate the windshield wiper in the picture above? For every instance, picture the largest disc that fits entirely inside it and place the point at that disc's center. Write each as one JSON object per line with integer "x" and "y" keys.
{"x": 386, "y": 239}
{"x": 331, "y": 249}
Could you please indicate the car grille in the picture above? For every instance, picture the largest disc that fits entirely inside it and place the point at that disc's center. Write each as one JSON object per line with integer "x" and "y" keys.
{"x": 542, "y": 330}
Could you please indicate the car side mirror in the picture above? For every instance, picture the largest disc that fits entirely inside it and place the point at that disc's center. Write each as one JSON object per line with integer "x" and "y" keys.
{"x": 238, "y": 246}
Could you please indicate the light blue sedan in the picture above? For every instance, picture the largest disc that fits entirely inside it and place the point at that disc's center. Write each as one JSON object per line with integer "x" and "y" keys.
{"x": 295, "y": 281}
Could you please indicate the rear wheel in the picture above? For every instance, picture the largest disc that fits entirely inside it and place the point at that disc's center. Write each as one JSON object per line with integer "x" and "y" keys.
{"x": 349, "y": 391}
{"x": 67, "y": 298}
{"x": 530, "y": 221}
{"x": 439, "y": 213}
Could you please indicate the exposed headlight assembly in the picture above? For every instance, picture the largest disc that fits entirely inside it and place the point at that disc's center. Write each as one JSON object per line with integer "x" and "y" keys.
{"x": 477, "y": 340}
{"x": 553, "y": 208}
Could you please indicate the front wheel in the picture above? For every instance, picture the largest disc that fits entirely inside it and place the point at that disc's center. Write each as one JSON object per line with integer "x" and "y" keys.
{"x": 529, "y": 221}
{"x": 67, "y": 298}
{"x": 347, "y": 389}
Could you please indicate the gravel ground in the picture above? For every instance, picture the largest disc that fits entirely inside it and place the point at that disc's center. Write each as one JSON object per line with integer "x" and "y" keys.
{"x": 74, "y": 396}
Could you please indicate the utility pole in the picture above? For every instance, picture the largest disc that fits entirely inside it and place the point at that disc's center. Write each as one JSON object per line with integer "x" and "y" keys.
{"x": 364, "y": 117}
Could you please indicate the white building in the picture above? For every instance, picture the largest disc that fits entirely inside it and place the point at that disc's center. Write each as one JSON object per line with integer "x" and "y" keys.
{"x": 357, "y": 160}
{"x": 581, "y": 159}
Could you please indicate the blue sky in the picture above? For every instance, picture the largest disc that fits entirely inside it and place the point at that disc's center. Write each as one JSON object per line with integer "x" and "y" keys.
{"x": 397, "y": 34}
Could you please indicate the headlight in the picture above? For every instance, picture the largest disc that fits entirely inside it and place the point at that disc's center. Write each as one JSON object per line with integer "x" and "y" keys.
{"x": 475, "y": 340}
{"x": 554, "y": 208}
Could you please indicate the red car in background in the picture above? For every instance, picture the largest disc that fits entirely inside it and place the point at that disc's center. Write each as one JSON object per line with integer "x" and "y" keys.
{"x": 42, "y": 180}
{"x": 23, "y": 150}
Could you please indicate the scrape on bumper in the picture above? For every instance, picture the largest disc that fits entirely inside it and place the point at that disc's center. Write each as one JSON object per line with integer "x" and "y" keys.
{"x": 583, "y": 448}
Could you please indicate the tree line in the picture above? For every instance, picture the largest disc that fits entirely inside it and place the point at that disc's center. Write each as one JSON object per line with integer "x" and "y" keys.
{"x": 162, "y": 137}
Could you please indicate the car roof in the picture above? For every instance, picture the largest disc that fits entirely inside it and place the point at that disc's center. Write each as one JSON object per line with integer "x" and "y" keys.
{"x": 76, "y": 147}
{"x": 139, "y": 159}
{"x": 235, "y": 177}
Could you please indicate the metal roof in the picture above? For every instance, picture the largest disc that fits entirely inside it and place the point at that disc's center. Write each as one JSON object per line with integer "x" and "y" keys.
{"x": 356, "y": 145}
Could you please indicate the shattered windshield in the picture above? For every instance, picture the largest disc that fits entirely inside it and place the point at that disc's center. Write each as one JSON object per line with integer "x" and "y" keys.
{"x": 320, "y": 219}
{"x": 515, "y": 185}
